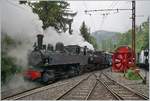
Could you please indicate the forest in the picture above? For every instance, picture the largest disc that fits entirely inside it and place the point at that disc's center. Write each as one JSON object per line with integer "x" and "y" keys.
{"x": 142, "y": 39}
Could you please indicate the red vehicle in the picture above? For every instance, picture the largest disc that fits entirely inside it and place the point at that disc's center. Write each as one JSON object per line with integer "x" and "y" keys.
{"x": 122, "y": 59}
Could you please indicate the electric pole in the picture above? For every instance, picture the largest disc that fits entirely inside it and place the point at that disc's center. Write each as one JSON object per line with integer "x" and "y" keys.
{"x": 133, "y": 27}
{"x": 133, "y": 24}
{"x": 133, "y": 21}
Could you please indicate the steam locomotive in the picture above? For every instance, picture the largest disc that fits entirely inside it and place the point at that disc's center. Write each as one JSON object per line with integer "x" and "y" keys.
{"x": 49, "y": 65}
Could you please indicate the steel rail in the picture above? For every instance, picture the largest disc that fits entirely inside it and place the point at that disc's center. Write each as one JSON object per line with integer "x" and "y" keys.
{"x": 7, "y": 97}
{"x": 91, "y": 91}
{"x": 95, "y": 84}
{"x": 106, "y": 86}
{"x": 31, "y": 91}
{"x": 65, "y": 93}
{"x": 129, "y": 89}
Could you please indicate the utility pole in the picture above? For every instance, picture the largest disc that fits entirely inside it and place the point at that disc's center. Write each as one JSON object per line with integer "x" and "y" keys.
{"x": 133, "y": 27}
{"x": 133, "y": 21}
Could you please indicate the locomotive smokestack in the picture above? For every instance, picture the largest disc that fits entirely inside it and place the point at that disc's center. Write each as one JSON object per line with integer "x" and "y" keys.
{"x": 40, "y": 40}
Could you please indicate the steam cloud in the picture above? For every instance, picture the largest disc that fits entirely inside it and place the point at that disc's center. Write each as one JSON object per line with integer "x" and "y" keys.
{"x": 22, "y": 25}
{"x": 19, "y": 22}
{"x": 51, "y": 36}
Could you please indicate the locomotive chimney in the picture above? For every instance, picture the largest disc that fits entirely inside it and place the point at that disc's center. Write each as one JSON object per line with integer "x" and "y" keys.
{"x": 40, "y": 40}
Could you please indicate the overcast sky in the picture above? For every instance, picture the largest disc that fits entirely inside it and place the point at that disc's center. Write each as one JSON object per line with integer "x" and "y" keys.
{"x": 118, "y": 22}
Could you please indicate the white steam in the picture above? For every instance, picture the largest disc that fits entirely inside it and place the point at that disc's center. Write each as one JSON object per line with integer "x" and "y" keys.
{"x": 22, "y": 25}
{"x": 51, "y": 36}
{"x": 19, "y": 22}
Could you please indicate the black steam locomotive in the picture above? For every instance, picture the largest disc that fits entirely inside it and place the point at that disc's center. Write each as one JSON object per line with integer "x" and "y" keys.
{"x": 49, "y": 65}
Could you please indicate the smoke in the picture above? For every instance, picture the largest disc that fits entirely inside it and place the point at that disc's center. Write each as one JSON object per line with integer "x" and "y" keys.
{"x": 22, "y": 25}
{"x": 51, "y": 36}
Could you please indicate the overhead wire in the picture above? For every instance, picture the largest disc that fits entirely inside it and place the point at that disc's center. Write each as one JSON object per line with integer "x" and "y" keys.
{"x": 114, "y": 5}
{"x": 104, "y": 15}
{"x": 89, "y": 14}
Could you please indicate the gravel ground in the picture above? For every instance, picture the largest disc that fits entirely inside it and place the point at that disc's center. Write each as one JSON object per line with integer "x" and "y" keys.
{"x": 17, "y": 85}
{"x": 136, "y": 85}
{"x": 51, "y": 91}
{"x": 81, "y": 91}
{"x": 101, "y": 93}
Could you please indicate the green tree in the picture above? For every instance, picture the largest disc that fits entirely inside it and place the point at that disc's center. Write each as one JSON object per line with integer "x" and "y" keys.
{"x": 93, "y": 41}
{"x": 84, "y": 31}
{"x": 55, "y": 14}
{"x": 86, "y": 35}
{"x": 8, "y": 66}
{"x": 104, "y": 45}
{"x": 142, "y": 37}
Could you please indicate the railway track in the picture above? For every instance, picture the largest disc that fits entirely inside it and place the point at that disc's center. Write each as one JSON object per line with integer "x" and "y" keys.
{"x": 81, "y": 91}
{"x": 92, "y": 86}
{"x": 88, "y": 89}
{"x": 100, "y": 92}
{"x": 119, "y": 90}
{"x": 37, "y": 93}
{"x": 30, "y": 92}
{"x": 12, "y": 95}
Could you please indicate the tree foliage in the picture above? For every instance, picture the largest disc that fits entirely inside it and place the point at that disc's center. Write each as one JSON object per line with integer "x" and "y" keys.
{"x": 86, "y": 35}
{"x": 55, "y": 14}
{"x": 8, "y": 66}
{"x": 142, "y": 37}
{"x": 107, "y": 45}
{"x": 126, "y": 38}
{"x": 84, "y": 31}
{"x": 92, "y": 40}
